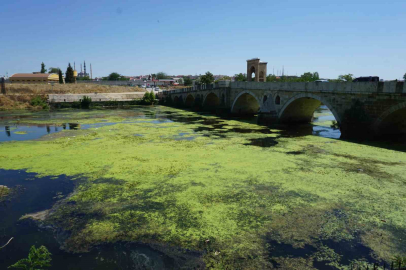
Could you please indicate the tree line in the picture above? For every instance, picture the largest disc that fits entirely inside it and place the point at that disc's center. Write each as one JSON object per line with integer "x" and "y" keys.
{"x": 207, "y": 78}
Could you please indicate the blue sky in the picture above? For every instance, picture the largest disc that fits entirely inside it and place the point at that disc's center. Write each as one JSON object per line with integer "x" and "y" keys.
{"x": 191, "y": 37}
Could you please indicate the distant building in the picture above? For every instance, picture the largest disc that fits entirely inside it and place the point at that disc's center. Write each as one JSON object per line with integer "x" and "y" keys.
{"x": 82, "y": 73}
{"x": 34, "y": 78}
{"x": 172, "y": 81}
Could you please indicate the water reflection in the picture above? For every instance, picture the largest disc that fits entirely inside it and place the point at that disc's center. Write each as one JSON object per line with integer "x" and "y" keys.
{"x": 74, "y": 126}
{"x": 322, "y": 124}
{"x": 8, "y": 131}
{"x": 215, "y": 126}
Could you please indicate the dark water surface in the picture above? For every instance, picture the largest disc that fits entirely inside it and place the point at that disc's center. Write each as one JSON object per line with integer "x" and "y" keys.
{"x": 32, "y": 194}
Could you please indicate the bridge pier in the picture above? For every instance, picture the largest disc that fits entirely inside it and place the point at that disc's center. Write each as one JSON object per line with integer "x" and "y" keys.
{"x": 268, "y": 118}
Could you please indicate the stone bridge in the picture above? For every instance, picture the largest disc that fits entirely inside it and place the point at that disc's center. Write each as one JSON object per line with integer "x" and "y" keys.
{"x": 360, "y": 107}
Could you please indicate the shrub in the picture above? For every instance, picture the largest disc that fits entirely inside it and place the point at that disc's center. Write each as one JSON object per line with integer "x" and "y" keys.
{"x": 37, "y": 259}
{"x": 39, "y": 101}
{"x": 85, "y": 102}
{"x": 152, "y": 96}
{"x": 148, "y": 98}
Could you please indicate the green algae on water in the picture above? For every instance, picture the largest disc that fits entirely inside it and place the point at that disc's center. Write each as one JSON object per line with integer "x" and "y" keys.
{"x": 216, "y": 193}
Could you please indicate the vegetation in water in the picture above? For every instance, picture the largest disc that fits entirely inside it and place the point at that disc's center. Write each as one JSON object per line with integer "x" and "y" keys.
{"x": 212, "y": 186}
{"x": 4, "y": 191}
{"x": 335, "y": 125}
{"x": 38, "y": 259}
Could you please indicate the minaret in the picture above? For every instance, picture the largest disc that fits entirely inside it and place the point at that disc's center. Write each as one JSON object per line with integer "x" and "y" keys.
{"x": 84, "y": 62}
{"x": 74, "y": 66}
{"x": 81, "y": 70}
{"x": 91, "y": 73}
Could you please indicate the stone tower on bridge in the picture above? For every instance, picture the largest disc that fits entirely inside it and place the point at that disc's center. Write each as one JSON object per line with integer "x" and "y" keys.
{"x": 254, "y": 66}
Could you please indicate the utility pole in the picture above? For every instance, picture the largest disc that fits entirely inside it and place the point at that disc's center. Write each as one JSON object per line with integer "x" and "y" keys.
{"x": 3, "y": 86}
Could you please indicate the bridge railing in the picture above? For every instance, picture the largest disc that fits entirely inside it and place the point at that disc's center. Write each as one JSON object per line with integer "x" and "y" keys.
{"x": 194, "y": 88}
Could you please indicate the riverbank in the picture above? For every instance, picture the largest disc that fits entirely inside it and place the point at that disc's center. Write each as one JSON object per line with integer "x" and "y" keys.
{"x": 18, "y": 102}
{"x": 243, "y": 196}
{"x": 19, "y": 96}
{"x": 40, "y": 89}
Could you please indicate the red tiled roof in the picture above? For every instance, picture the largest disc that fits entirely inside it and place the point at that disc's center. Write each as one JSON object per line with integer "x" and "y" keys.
{"x": 30, "y": 75}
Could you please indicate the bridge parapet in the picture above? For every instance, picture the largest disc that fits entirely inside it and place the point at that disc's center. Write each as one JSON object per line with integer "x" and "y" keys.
{"x": 342, "y": 87}
{"x": 339, "y": 87}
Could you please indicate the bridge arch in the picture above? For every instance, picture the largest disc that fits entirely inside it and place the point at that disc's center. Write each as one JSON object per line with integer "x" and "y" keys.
{"x": 211, "y": 100}
{"x": 246, "y": 103}
{"x": 252, "y": 71}
{"x": 190, "y": 100}
{"x": 301, "y": 107}
{"x": 392, "y": 121}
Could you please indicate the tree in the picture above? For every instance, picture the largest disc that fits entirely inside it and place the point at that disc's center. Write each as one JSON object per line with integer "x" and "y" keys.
{"x": 187, "y": 81}
{"x": 307, "y": 77}
{"x": 404, "y": 77}
{"x": 85, "y": 78}
{"x": 225, "y": 78}
{"x": 60, "y": 77}
{"x": 240, "y": 77}
{"x": 207, "y": 78}
{"x": 347, "y": 77}
{"x": 43, "y": 70}
{"x": 69, "y": 75}
{"x": 114, "y": 76}
{"x": 37, "y": 259}
{"x": 161, "y": 75}
{"x": 152, "y": 96}
{"x": 53, "y": 70}
{"x": 316, "y": 76}
{"x": 271, "y": 78}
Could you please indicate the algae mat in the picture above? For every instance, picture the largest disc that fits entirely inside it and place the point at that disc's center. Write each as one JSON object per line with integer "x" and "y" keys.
{"x": 241, "y": 195}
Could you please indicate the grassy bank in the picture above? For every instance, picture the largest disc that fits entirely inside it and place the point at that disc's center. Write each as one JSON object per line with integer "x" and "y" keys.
{"x": 235, "y": 192}
{"x": 20, "y": 102}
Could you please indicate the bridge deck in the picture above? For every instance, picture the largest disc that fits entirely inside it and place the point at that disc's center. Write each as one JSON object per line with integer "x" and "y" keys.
{"x": 340, "y": 87}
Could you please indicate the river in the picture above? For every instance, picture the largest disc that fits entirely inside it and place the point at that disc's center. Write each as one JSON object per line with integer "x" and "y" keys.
{"x": 152, "y": 187}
